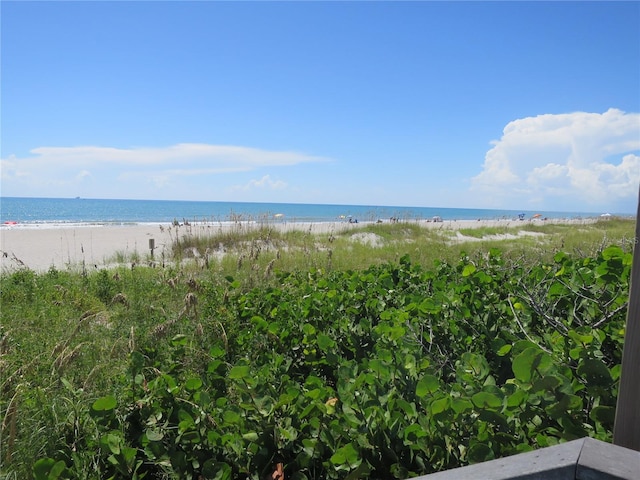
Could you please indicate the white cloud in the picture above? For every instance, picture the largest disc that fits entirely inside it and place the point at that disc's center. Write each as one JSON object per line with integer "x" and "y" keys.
{"x": 264, "y": 183}
{"x": 563, "y": 162}
{"x": 214, "y": 156}
{"x": 54, "y": 170}
{"x": 83, "y": 174}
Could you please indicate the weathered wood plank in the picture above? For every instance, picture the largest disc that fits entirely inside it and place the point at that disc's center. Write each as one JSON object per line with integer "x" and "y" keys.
{"x": 583, "y": 459}
{"x": 603, "y": 461}
{"x": 626, "y": 430}
{"x": 551, "y": 463}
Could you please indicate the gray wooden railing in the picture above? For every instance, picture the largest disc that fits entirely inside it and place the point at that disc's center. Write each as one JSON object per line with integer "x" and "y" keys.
{"x": 583, "y": 459}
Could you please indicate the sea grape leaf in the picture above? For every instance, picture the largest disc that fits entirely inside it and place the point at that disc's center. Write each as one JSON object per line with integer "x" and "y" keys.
{"x": 516, "y": 398}
{"x": 104, "y": 404}
{"x": 346, "y": 457}
{"x": 215, "y": 470}
{"x": 530, "y": 361}
{"x": 611, "y": 252}
{"x": 427, "y": 384}
{"x": 603, "y": 414}
{"x": 239, "y": 372}
{"x": 502, "y": 351}
{"x": 471, "y": 367}
{"x": 216, "y": 352}
{"x": 154, "y": 435}
{"x": 546, "y": 383}
{"x": 580, "y": 337}
{"x": 259, "y": 322}
{"x": 468, "y": 270}
{"x": 325, "y": 342}
{"x": 379, "y": 368}
{"x": 440, "y": 405}
{"x": 48, "y": 469}
{"x": 231, "y": 417}
{"x": 495, "y": 418}
{"x": 595, "y": 372}
{"x": 460, "y": 405}
{"x": 250, "y": 436}
{"x": 193, "y": 384}
{"x": 479, "y": 452}
{"x": 179, "y": 340}
{"x": 486, "y": 400}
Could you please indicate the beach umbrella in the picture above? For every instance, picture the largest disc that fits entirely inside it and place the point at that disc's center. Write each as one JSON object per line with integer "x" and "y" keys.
{"x": 537, "y": 215}
{"x": 279, "y": 215}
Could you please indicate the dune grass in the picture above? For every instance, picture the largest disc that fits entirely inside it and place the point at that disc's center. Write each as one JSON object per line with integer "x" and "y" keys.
{"x": 257, "y": 251}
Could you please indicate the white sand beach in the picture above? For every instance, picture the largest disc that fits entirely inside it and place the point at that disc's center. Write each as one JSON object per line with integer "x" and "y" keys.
{"x": 39, "y": 247}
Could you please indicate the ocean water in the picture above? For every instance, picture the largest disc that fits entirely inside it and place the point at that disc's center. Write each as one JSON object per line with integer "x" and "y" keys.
{"x": 56, "y": 211}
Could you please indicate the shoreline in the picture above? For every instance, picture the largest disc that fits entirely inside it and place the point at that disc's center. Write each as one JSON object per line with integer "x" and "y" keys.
{"x": 42, "y": 246}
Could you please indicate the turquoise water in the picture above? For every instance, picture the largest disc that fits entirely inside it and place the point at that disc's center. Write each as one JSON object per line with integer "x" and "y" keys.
{"x": 81, "y": 210}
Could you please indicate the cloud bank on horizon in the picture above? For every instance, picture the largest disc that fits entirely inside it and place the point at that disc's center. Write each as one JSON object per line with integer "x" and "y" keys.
{"x": 576, "y": 161}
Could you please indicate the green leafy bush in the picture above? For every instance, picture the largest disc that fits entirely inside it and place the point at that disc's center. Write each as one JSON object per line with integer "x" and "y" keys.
{"x": 390, "y": 372}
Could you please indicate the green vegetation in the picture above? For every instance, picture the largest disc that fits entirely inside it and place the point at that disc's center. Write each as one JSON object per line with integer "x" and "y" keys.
{"x": 385, "y": 361}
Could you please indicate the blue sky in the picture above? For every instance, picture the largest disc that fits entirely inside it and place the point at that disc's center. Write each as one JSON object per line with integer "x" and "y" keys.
{"x": 446, "y": 104}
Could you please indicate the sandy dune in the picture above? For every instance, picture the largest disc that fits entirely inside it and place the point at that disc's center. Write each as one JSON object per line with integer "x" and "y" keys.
{"x": 40, "y": 247}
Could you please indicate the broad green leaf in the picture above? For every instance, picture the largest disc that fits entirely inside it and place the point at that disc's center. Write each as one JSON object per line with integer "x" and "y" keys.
{"x": 502, "y": 351}
{"x": 251, "y": 436}
{"x": 379, "y": 368}
{"x": 461, "y": 405}
{"x": 217, "y": 352}
{"x": 562, "y": 408}
{"x": 325, "y": 342}
{"x": 579, "y": 337}
{"x": 479, "y": 452}
{"x": 595, "y": 372}
{"x": 530, "y": 361}
{"x": 495, "y": 418}
{"x": 440, "y": 405}
{"x": 611, "y": 252}
{"x": 104, "y": 404}
{"x": 231, "y": 417}
{"x": 154, "y": 435}
{"x": 179, "y": 340}
{"x": 603, "y": 414}
{"x": 414, "y": 431}
{"x": 486, "y": 400}
{"x": 113, "y": 442}
{"x": 193, "y": 384}
{"x": 516, "y": 398}
{"x": 468, "y": 270}
{"x": 259, "y": 322}
{"x": 546, "y": 383}
{"x": 347, "y": 456}
{"x": 48, "y": 469}
{"x": 239, "y": 372}
{"x": 427, "y": 384}
{"x": 472, "y": 367}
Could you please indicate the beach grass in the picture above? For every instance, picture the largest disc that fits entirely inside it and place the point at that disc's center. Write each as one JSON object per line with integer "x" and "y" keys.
{"x": 242, "y": 249}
